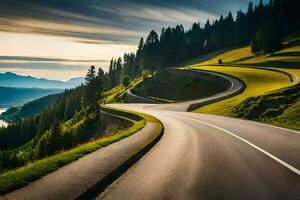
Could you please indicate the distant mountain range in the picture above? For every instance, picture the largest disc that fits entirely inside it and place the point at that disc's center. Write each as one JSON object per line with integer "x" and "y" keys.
{"x": 10, "y": 96}
{"x": 9, "y": 79}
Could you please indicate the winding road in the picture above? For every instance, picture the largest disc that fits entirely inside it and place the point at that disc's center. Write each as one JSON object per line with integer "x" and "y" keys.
{"x": 199, "y": 156}
{"x": 204, "y": 156}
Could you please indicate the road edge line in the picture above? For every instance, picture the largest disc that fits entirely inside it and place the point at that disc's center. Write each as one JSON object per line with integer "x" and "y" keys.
{"x": 290, "y": 167}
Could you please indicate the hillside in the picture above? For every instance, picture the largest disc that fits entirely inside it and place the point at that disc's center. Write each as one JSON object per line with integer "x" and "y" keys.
{"x": 272, "y": 84}
{"x": 28, "y": 109}
{"x": 59, "y": 129}
{"x": 18, "y": 96}
{"x": 172, "y": 87}
{"x": 270, "y": 96}
{"x": 9, "y": 79}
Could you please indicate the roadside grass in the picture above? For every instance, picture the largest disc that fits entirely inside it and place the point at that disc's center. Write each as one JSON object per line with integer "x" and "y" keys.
{"x": 205, "y": 57}
{"x": 289, "y": 118}
{"x": 230, "y": 56}
{"x": 258, "y": 82}
{"x": 265, "y": 98}
{"x": 14, "y": 179}
{"x": 285, "y": 58}
{"x": 272, "y": 107}
{"x": 168, "y": 87}
{"x": 117, "y": 94}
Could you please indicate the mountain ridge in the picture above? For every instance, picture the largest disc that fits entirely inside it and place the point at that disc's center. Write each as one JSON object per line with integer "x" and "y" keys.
{"x": 9, "y": 79}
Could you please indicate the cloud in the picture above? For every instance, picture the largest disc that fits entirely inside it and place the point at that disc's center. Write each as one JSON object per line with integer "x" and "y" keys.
{"x": 43, "y": 59}
{"x": 65, "y": 37}
{"x": 106, "y": 21}
{"x": 170, "y": 14}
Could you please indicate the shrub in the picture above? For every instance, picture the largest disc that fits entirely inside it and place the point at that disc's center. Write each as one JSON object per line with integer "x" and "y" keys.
{"x": 126, "y": 81}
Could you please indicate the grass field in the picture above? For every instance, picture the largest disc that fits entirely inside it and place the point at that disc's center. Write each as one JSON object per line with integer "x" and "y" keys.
{"x": 290, "y": 117}
{"x": 17, "y": 178}
{"x": 257, "y": 82}
{"x": 285, "y": 58}
{"x": 169, "y": 87}
{"x": 230, "y": 56}
{"x": 261, "y": 86}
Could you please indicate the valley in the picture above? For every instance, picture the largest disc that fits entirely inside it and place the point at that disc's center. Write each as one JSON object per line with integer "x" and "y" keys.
{"x": 2, "y": 123}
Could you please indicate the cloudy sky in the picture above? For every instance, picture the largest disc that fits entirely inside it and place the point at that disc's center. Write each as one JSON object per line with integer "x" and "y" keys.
{"x": 60, "y": 39}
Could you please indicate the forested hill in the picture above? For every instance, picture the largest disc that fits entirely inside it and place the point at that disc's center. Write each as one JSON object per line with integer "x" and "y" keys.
{"x": 176, "y": 45}
{"x": 68, "y": 119}
{"x": 29, "y": 109}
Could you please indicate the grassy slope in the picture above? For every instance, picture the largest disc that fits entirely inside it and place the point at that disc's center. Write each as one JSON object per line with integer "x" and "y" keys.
{"x": 168, "y": 87}
{"x": 28, "y": 109}
{"x": 289, "y": 118}
{"x": 259, "y": 83}
{"x": 117, "y": 94}
{"x": 14, "y": 179}
{"x": 230, "y": 56}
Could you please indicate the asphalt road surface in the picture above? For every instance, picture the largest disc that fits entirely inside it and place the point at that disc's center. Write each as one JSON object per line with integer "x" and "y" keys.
{"x": 204, "y": 156}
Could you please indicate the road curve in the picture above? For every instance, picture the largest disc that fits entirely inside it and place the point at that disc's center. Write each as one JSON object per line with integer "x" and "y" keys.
{"x": 204, "y": 156}
{"x": 235, "y": 86}
{"x": 76, "y": 179}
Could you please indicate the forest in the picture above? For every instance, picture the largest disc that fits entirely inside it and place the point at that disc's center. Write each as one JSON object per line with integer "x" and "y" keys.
{"x": 262, "y": 26}
{"x": 73, "y": 116}
{"x": 65, "y": 123}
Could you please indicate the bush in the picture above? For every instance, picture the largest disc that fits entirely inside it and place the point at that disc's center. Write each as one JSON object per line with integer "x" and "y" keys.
{"x": 126, "y": 81}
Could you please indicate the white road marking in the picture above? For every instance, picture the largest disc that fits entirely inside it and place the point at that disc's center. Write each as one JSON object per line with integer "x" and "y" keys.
{"x": 293, "y": 169}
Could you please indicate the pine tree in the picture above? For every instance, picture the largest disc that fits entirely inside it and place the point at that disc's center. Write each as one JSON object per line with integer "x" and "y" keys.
{"x": 151, "y": 54}
{"x": 267, "y": 38}
{"x": 91, "y": 74}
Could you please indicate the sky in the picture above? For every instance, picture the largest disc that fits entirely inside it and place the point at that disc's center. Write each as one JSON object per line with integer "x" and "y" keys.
{"x": 60, "y": 39}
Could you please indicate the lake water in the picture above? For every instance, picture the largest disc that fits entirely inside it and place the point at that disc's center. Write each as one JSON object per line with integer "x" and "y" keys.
{"x": 2, "y": 123}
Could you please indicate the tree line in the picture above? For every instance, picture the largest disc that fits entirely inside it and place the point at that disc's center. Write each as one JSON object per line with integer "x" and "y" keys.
{"x": 73, "y": 118}
{"x": 262, "y": 26}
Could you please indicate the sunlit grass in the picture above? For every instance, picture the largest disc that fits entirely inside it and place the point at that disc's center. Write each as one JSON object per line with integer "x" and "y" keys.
{"x": 117, "y": 94}
{"x": 288, "y": 55}
{"x": 258, "y": 82}
{"x": 230, "y": 56}
{"x": 289, "y": 118}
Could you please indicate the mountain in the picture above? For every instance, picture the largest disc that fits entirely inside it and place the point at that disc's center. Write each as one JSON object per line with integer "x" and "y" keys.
{"x": 18, "y": 96}
{"x": 9, "y": 79}
{"x": 76, "y": 81}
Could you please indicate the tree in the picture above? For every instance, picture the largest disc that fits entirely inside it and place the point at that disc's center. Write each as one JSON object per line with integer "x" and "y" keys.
{"x": 126, "y": 81}
{"x": 91, "y": 74}
{"x": 118, "y": 70}
{"x": 139, "y": 57}
{"x": 102, "y": 79}
{"x": 151, "y": 54}
{"x": 91, "y": 87}
{"x": 49, "y": 143}
{"x": 267, "y": 39}
{"x": 250, "y": 8}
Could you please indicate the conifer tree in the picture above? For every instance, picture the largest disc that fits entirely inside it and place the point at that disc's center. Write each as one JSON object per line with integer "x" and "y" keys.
{"x": 91, "y": 74}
